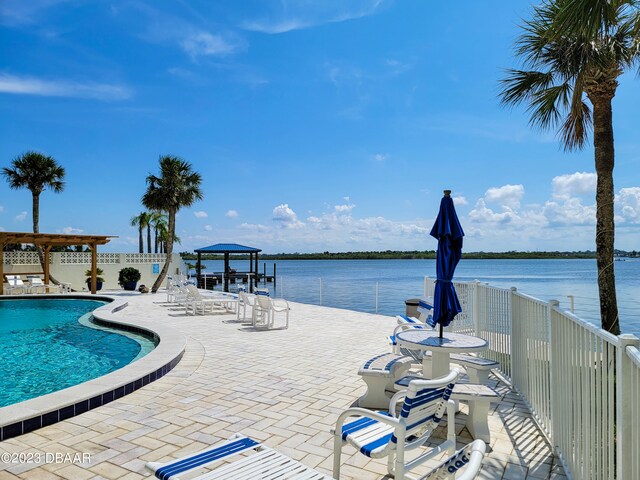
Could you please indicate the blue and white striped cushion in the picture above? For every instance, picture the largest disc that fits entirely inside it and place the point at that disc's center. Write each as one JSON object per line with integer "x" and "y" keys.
{"x": 202, "y": 458}
{"x": 370, "y": 436}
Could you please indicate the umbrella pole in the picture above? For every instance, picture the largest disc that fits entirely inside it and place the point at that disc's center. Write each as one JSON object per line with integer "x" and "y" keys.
{"x": 441, "y": 328}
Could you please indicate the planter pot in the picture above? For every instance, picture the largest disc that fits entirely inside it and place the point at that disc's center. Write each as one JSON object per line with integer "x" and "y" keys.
{"x": 98, "y": 285}
{"x": 129, "y": 285}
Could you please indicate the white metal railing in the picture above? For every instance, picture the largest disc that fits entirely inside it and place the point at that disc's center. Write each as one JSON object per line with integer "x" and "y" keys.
{"x": 581, "y": 383}
{"x": 634, "y": 417}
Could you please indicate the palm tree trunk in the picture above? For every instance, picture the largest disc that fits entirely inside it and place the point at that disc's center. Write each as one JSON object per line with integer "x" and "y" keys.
{"x": 140, "y": 241}
{"x": 605, "y": 226}
{"x": 35, "y": 211}
{"x": 148, "y": 237}
{"x": 155, "y": 247}
{"x": 169, "y": 248}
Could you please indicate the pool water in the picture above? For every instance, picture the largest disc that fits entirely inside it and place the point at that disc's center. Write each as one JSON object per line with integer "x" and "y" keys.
{"x": 50, "y": 344}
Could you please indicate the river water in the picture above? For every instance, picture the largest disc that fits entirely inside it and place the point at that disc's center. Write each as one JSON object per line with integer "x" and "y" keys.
{"x": 351, "y": 284}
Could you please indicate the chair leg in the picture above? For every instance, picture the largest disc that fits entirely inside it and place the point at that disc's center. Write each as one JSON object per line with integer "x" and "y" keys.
{"x": 337, "y": 452}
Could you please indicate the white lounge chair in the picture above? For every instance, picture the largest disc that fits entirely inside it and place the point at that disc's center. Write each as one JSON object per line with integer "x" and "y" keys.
{"x": 36, "y": 285}
{"x": 382, "y": 434}
{"x": 16, "y": 285}
{"x": 265, "y": 309}
{"x": 264, "y": 462}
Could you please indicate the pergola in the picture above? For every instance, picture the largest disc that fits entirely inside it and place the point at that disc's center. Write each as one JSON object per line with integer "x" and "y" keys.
{"x": 49, "y": 240}
{"x": 227, "y": 249}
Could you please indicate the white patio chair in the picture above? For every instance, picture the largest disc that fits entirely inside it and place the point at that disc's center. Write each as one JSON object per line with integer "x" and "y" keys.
{"x": 16, "y": 285}
{"x": 265, "y": 309}
{"x": 382, "y": 434}
{"x": 245, "y": 300}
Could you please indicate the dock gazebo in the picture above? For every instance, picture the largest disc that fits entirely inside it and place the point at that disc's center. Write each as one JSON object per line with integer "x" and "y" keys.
{"x": 227, "y": 249}
{"x": 49, "y": 240}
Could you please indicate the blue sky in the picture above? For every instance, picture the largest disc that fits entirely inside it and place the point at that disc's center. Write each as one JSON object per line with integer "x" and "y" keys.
{"x": 316, "y": 126}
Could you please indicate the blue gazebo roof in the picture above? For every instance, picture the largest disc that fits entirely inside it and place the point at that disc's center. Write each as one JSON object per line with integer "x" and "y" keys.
{"x": 227, "y": 248}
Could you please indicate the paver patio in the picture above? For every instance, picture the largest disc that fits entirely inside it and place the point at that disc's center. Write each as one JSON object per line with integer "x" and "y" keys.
{"x": 283, "y": 387}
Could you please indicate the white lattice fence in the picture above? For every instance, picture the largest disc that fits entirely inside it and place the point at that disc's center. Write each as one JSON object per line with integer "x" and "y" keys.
{"x": 138, "y": 258}
{"x": 84, "y": 258}
{"x": 21, "y": 258}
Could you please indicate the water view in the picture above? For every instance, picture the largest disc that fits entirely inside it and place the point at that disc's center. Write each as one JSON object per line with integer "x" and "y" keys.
{"x": 351, "y": 284}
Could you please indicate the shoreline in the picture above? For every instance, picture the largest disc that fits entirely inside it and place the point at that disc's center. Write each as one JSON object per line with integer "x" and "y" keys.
{"x": 419, "y": 255}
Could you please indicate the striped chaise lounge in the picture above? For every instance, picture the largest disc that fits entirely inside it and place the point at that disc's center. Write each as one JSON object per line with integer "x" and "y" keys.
{"x": 383, "y": 434}
{"x": 262, "y": 463}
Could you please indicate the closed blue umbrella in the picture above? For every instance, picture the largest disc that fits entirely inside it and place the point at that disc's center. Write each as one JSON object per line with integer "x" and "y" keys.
{"x": 448, "y": 231}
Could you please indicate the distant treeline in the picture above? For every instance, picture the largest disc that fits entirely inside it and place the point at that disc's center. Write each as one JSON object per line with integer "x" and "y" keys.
{"x": 410, "y": 255}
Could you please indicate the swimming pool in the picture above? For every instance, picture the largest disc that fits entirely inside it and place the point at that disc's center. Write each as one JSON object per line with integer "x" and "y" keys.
{"x": 47, "y": 345}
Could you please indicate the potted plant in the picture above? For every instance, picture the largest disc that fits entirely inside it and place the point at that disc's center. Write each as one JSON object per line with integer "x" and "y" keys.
{"x": 128, "y": 278}
{"x": 99, "y": 279}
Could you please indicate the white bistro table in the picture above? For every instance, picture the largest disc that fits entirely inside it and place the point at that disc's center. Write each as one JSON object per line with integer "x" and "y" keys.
{"x": 440, "y": 348}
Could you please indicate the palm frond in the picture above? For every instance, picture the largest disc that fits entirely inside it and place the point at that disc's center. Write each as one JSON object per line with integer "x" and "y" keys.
{"x": 547, "y": 106}
{"x": 520, "y": 86}
{"x": 589, "y": 18}
{"x": 576, "y": 127}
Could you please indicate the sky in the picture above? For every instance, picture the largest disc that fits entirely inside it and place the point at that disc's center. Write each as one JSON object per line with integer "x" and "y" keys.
{"x": 316, "y": 126}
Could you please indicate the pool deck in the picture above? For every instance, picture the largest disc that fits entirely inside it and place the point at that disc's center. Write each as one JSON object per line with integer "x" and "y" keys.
{"x": 283, "y": 387}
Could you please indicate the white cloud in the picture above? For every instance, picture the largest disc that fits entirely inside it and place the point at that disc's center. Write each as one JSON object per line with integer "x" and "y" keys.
{"x": 344, "y": 208}
{"x": 200, "y": 214}
{"x": 628, "y": 204}
{"x": 19, "y": 12}
{"x": 256, "y": 227}
{"x": 208, "y": 228}
{"x": 231, "y": 214}
{"x": 570, "y": 212}
{"x": 286, "y": 217}
{"x": 483, "y": 214}
{"x": 1, "y": 208}
{"x": 380, "y": 157}
{"x": 579, "y": 183}
{"x": 506, "y": 196}
{"x": 21, "y": 217}
{"x": 300, "y": 15}
{"x": 202, "y": 43}
{"x": 460, "y": 200}
{"x": 72, "y": 231}
{"x": 24, "y": 85}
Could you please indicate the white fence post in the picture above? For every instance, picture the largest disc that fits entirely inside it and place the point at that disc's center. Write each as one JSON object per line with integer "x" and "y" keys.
{"x": 424, "y": 287}
{"x": 624, "y": 393}
{"x": 476, "y": 308}
{"x": 571, "y": 303}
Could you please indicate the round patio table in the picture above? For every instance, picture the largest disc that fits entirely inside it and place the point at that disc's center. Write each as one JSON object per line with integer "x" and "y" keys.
{"x": 440, "y": 348}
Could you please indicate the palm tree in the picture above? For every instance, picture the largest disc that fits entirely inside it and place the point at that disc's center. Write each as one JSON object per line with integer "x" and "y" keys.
{"x": 36, "y": 172}
{"x": 177, "y": 186}
{"x": 142, "y": 221}
{"x": 575, "y": 53}
{"x": 159, "y": 221}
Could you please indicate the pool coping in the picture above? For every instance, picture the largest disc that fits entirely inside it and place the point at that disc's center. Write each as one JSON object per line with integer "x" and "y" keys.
{"x": 29, "y": 415}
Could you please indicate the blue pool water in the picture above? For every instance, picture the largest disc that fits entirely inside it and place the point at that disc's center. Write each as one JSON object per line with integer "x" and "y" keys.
{"x": 49, "y": 344}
